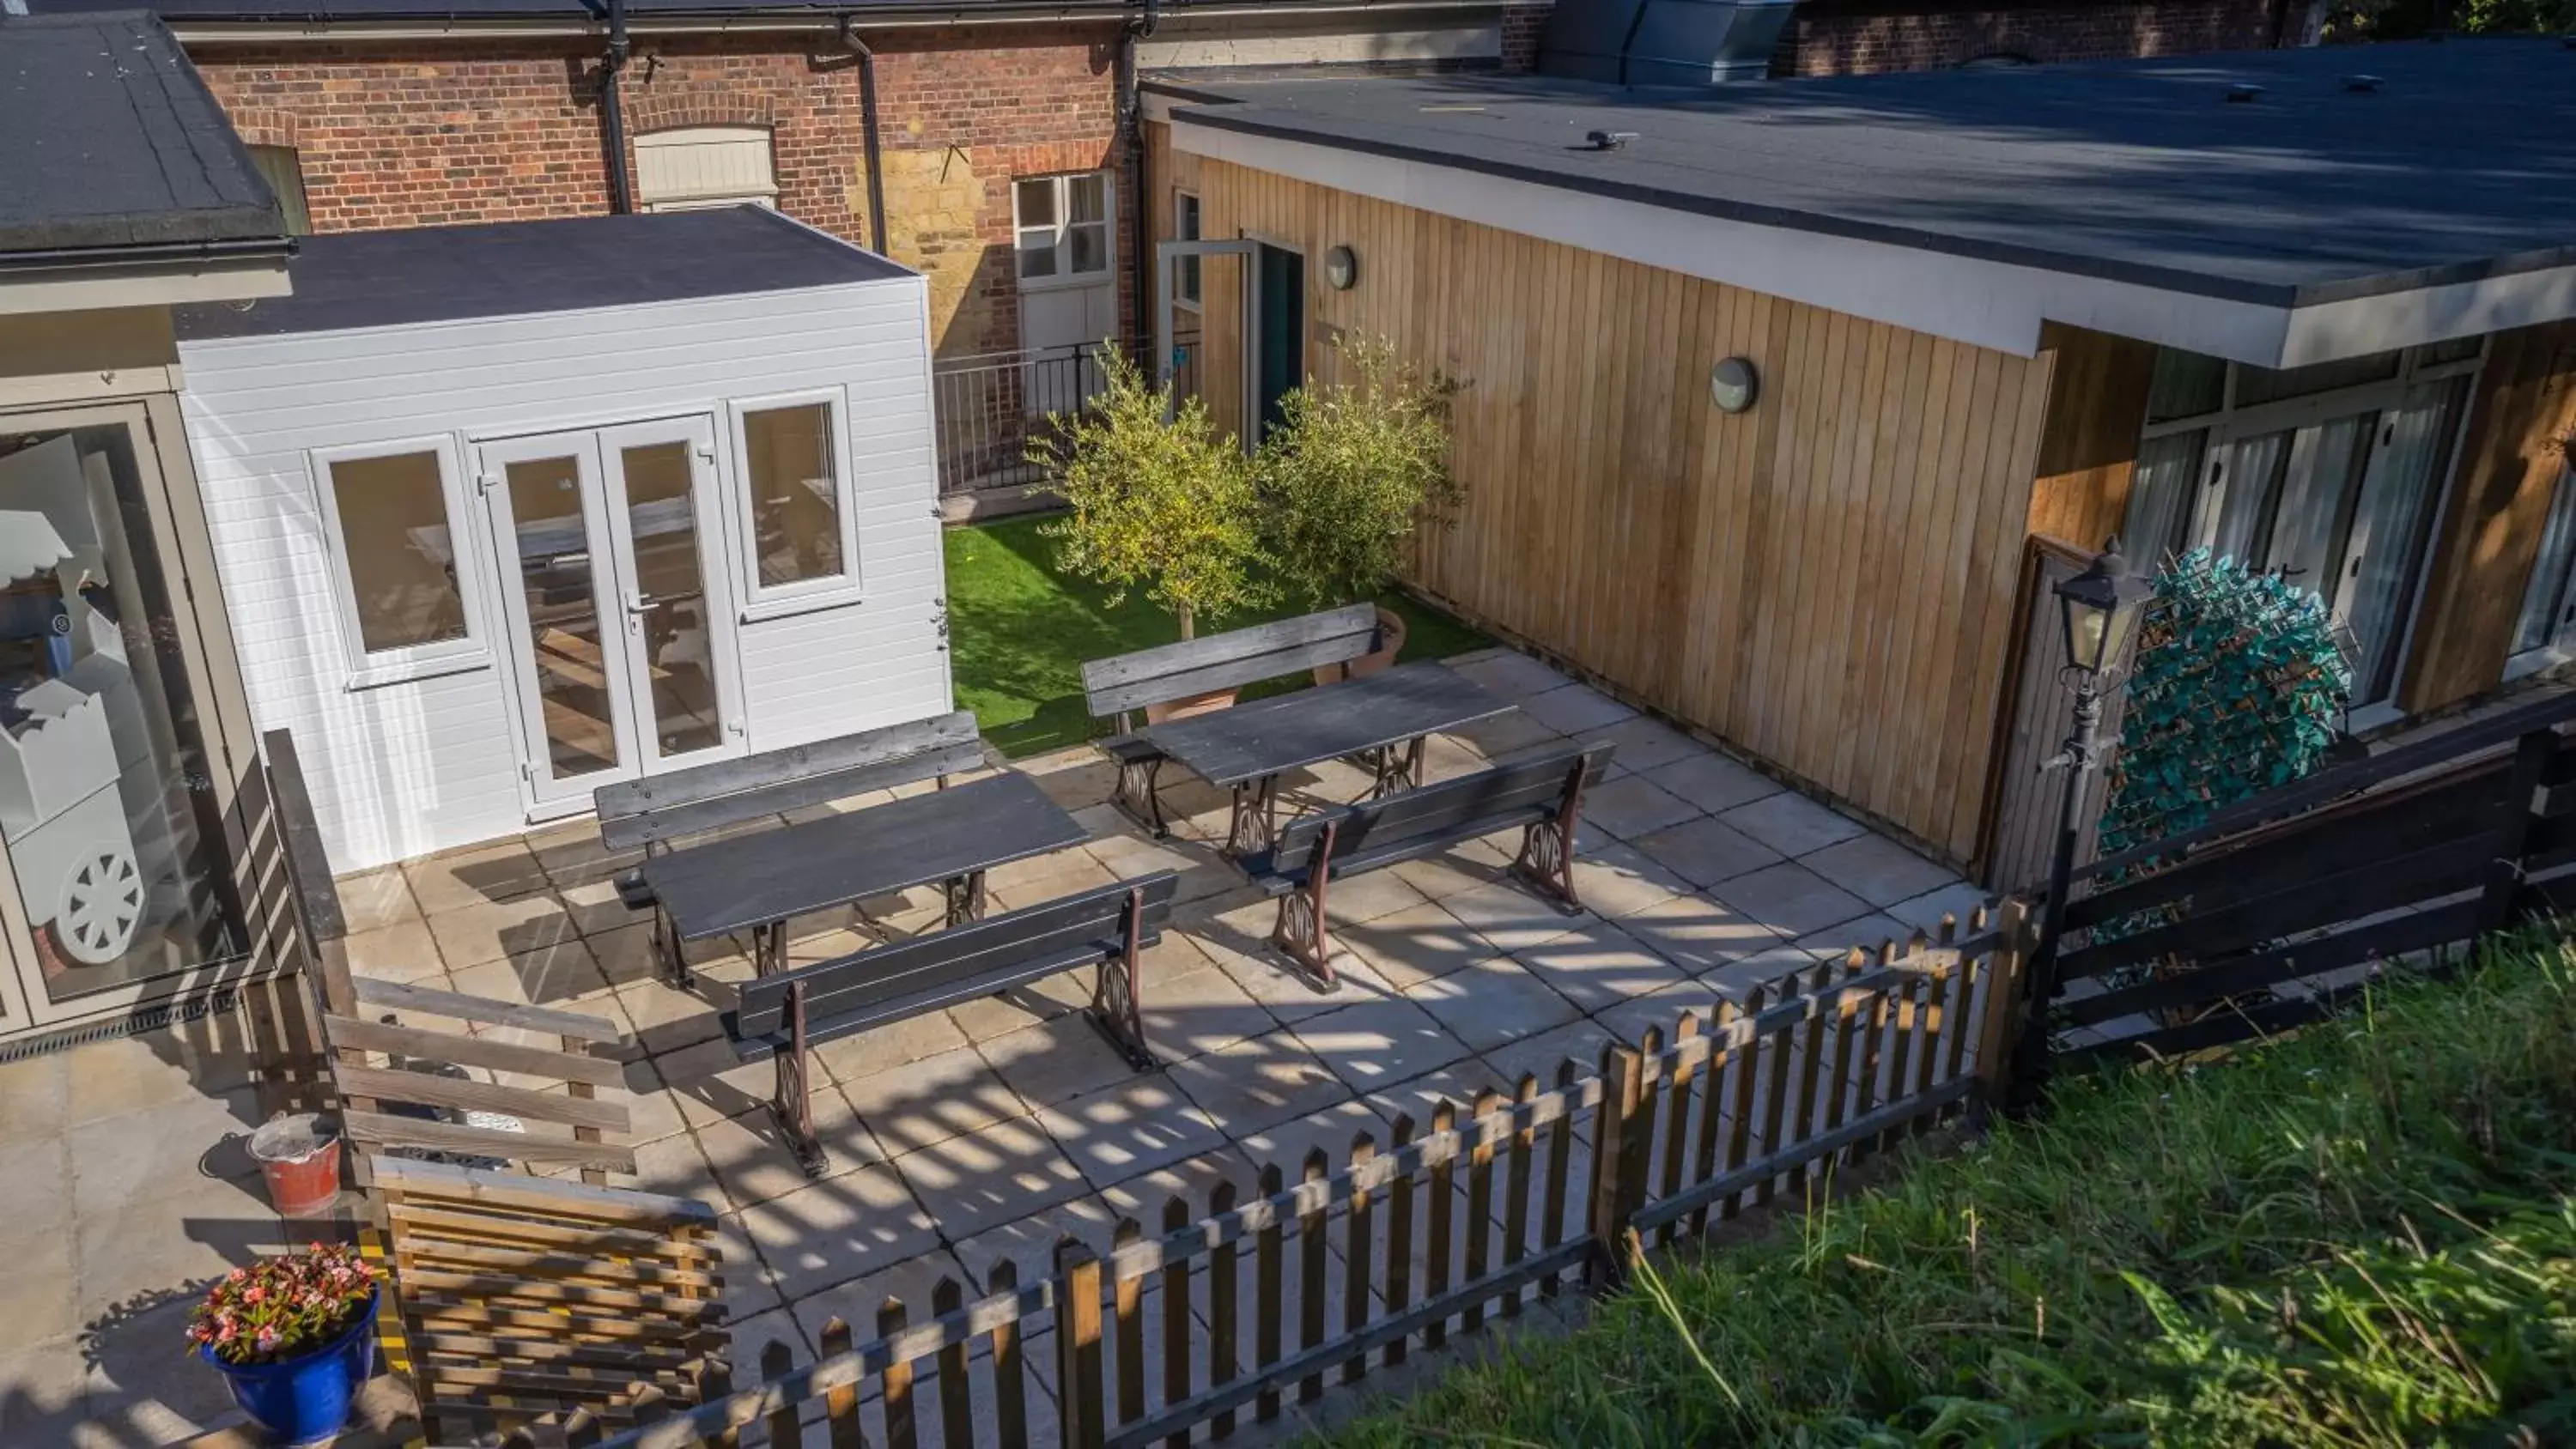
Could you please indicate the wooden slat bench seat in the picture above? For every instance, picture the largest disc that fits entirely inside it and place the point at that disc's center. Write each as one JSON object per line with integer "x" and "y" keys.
{"x": 1117, "y": 687}
{"x": 1540, "y": 793}
{"x": 781, "y": 1017}
{"x": 656, "y": 811}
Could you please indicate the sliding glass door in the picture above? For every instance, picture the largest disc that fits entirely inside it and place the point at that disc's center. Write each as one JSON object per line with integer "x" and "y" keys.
{"x": 2335, "y": 489}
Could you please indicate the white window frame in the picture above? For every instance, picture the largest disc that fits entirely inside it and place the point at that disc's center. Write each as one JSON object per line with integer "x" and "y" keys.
{"x": 774, "y": 601}
{"x": 2560, "y": 646}
{"x": 472, "y": 650}
{"x": 2231, "y": 423}
{"x": 1198, "y": 223}
{"x": 1061, "y": 232}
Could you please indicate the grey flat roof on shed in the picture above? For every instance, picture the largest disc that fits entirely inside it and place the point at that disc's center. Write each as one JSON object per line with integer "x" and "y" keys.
{"x": 2460, "y": 165}
{"x": 508, "y": 269}
{"x": 109, "y": 140}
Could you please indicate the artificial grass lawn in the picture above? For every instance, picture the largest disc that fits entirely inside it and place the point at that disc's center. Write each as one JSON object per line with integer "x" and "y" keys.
{"x": 2361, "y": 1235}
{"x": 1018, "y": 633}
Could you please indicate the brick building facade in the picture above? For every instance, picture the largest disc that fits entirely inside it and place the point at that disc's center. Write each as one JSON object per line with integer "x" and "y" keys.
{"x": 432, "y": 132}
{"x": 1859, "y": 37}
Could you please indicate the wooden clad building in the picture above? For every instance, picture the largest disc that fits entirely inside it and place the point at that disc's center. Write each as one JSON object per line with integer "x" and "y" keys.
{"x": 2110, "y": 315}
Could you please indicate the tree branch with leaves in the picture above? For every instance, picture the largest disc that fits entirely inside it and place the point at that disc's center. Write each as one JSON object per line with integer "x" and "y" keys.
{"x": 1355, "y": 467}
{"x": 1166, "y": 507}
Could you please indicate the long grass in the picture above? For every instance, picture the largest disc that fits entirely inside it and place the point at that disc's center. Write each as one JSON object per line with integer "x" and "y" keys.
{"x": 2360, "y": 1235}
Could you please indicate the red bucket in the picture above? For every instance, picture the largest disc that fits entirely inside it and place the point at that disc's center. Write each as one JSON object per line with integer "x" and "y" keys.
{"x": 300, "y": 1157}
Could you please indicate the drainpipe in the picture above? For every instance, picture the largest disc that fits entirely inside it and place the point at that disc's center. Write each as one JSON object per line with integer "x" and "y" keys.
{"x": 868, "y": 133}
{"x": 612, "y": 115}
{"x": 1131, "y": 126}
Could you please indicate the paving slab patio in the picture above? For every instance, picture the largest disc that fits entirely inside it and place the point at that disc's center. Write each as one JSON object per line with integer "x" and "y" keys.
{"x": 987, "y": 1131}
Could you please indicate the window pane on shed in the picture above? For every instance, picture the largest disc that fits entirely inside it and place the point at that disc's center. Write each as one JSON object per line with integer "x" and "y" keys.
{"x": 401, "y": 554}
{"x": 1036, "y": 201}
{"x": 795, "y": 492}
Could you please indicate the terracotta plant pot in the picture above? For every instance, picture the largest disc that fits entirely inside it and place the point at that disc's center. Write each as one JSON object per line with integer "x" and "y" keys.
{"x": 1390, "y": 639}
{"x": 1208, "y": 703}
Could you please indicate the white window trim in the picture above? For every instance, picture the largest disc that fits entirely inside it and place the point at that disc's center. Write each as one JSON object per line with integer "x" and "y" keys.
{"x": 805, "y": 596}
{"x": 1063, "y": 229}
{"x": 419, "y": 661}
{"x": 1188, "y": 304}
{"x": 2560, "y": 647}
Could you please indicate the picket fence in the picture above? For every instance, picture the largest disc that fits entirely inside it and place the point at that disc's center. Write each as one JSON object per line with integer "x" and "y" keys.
{"x": 1408, "y": 1243}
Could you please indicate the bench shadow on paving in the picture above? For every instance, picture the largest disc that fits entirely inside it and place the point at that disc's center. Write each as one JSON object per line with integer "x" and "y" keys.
{"x": 984, "y": 1132}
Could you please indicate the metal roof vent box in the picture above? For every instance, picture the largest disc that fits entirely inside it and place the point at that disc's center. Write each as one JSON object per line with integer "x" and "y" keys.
{"x": 1662, "y": 42}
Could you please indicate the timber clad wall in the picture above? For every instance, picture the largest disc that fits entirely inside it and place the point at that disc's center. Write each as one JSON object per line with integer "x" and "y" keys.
{"x": 2490, "y": 535}
{"x": 429, "y": 133}
{"x": 2091, "y": 443}
{"x": 1826, "y": 581}
{"x": 1862, "y": 37}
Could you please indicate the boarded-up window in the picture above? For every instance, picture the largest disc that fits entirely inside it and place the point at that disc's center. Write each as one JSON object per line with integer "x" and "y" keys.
{"x": 398, "y": 550}
{"x": 795, "y": 487}
{"x": 696, "y": 167}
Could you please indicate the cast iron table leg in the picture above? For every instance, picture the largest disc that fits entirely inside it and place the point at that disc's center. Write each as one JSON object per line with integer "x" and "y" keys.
{"x": 1255, "y": 825}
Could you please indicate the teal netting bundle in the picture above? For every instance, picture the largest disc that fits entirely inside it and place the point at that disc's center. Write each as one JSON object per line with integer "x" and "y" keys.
{"x": 2235, "y": 688}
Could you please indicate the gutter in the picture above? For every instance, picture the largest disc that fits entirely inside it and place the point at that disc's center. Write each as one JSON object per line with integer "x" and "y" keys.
{"x": 149, "y": 254}
{"x": 869, "y": 133}
{"x": 319, "y": 27}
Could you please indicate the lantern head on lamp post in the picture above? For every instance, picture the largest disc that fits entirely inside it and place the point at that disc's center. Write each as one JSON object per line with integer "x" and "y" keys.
{"x": 2100, "y": 607}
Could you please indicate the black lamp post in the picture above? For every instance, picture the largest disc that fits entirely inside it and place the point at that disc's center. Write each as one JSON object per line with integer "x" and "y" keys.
{"x": 2100, "y": 608}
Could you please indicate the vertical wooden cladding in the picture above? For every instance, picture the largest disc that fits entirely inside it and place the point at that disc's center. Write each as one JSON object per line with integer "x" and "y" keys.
{"x": 1825, "y": 580}
{"x": 2097, "y": 405}
{"x": 2500, "y": 493}
{"x": 1166, "y": 171}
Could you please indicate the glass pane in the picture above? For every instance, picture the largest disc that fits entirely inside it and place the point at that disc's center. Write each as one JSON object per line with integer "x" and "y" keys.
{"x": 1035, "y": 201}
{"x": 795, "y": 492}
{"x": 2317, "y": 490}
{"x": 2236, "y": 519}
{"x": 1037, "y": 259}
{"x": 401, "y": 556}
{"x": 2160, "y": 492}
{"x": 2186, "y": 385}
{"x": 2392, "y": 526}
{"x": 107, "y": 799}
{"x": 662, "y": 519}
{"x": 1088, "y": 197}
{"x": 556, "y": 572}
{"x": 1185, "y": 216}
{"x": 1186, "y": 283}
{"x": 1089, "y": 246}
{"x": 2261, "y": 385}
{"x": 2458, "y": 349}
{"x": 2543, "y": 597}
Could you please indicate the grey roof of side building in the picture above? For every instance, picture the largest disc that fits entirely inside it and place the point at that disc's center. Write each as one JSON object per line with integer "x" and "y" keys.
{"x": 2460, "y": 164}
{"x": 363, "y": 12}
{"x": 110, "y": 141}
{"x": 508, "y": 269}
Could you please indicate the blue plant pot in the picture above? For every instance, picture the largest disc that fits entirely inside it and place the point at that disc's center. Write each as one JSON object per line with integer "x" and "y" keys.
{"x": 306, "y": 1399}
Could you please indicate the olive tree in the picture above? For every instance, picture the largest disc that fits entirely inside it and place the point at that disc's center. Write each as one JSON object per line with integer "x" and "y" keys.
{"x": 1167, "y": 507}
{"x": 1354, "y": 467}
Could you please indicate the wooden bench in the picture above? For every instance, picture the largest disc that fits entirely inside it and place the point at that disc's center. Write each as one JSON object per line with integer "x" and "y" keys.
{"x": 1116, "y": 687}
{"x": 653, "y": 812}
{"x": 1542, "y": 794}
{"x": 782, "y": 1017}
{"x": 426, "y": 1070}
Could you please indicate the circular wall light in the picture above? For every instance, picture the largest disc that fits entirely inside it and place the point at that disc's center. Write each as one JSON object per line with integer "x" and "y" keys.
{"x": 1733, "y": 385}
{"x": 1341, "y": 268}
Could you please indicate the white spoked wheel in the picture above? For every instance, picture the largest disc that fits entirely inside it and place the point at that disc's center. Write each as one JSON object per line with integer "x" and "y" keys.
{"x": 102, "y": 906}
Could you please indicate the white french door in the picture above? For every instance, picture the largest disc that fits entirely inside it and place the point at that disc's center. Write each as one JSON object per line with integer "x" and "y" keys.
{"x": 620, "y": 621}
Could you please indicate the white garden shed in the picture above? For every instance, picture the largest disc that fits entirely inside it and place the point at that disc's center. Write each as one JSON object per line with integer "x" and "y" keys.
{"x": 505, "y": 513}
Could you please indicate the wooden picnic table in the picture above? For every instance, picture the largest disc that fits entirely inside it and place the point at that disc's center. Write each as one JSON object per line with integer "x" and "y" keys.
{"x": 1379, "y": 719}
{"x": 949, "y": 837}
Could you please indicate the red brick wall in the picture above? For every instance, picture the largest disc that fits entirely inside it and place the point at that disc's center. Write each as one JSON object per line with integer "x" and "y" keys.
{"x": 1521, "y": 27}
{"x": 1858, "y": 37}
{"x": 422, "y": 133}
